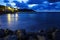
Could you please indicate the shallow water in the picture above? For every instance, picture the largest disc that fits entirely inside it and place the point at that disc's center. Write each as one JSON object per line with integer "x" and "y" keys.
{"x": 30, "y": 21}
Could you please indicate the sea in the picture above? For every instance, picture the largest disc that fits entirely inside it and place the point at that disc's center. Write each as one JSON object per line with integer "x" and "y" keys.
{"x": 30, "y": 21}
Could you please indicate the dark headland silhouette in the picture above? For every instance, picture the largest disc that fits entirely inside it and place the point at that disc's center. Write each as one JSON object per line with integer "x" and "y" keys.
{"x": 6, "y": 9}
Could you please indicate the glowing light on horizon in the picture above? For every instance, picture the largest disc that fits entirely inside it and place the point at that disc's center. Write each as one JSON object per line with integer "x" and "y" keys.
{"x": 9, "y": 8}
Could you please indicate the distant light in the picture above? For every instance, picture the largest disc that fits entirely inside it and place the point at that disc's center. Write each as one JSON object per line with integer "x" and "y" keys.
{"x": 16, "y": 9}
{"x": 32, "y": 5}
{"x": 9, "y": 8}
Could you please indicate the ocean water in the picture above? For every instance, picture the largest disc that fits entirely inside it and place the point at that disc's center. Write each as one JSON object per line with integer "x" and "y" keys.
{"x": 33, "y": 21}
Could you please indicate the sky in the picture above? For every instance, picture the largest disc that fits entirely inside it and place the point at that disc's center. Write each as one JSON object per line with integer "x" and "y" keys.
{"x": 17, "y": 3}
{"x": 26, "y": 3}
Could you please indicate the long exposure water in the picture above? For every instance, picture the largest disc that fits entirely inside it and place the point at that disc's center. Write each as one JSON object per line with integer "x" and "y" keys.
{"x": 29, "y": 21}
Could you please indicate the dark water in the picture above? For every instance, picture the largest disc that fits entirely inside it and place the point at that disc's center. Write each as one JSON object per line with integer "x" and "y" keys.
{"x": 30, "y": 21}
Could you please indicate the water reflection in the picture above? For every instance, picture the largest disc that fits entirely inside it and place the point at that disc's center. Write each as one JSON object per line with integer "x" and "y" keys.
{"x": 12, "y": 18}
{"x": 30, "y": 22}
{"x": 16, "y": 16}
{"x": 9, "y": 18}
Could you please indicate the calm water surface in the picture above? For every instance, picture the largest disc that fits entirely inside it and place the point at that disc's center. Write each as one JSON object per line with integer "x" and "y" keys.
{"x": 29, "y": 21}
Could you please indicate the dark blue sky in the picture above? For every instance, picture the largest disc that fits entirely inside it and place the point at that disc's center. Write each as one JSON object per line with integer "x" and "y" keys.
{"x": 34, "y": 4}
{"x": 20, "y": 3}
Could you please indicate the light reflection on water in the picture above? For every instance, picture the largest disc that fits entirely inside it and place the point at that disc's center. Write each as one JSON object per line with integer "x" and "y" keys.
{"x": 12, "y": 18}
{"x": 16, "y": 16}
{"x": 9, "y": 18}
{"x": 30, "y": 22}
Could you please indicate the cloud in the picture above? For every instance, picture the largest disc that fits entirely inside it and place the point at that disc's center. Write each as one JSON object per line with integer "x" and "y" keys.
{"x": 20, "y": 5}
{"x": 12, "y": 3}
{"x": 8, "y": 5}
{"x": 3, "y": 4}
{"x": 14, "y": 6}
{"x": 40, "y": 7}
{"x": 32, "y": 5}
{"x": 6, "y": 1}
{"x": 35, "y": 1}
{"x": 25, "y": 1}
{"x": 52, "y": 1}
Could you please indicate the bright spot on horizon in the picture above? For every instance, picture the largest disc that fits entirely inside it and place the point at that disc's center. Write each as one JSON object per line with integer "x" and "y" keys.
{"x": 25, "y": 1}
{"x": 32, "y": 5}
{"x": 9, "y": 8}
